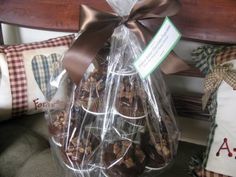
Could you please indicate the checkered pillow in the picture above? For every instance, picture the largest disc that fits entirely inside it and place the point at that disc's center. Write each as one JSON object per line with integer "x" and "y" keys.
{"x": 26, "y": 70}
{"x": 219, "y": 159}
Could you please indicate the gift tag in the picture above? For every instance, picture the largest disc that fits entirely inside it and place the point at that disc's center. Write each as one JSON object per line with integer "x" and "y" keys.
{"x": 158, "y": 49}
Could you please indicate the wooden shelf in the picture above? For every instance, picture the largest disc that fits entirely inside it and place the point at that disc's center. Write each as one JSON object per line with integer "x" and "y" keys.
{"x": 189, "y": 105}
{"x": 193, "y": 72}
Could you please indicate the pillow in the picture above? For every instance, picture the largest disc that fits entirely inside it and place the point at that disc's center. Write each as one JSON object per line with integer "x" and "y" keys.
{"x": 26, "y": 70}
{"x": 218, "y": 63}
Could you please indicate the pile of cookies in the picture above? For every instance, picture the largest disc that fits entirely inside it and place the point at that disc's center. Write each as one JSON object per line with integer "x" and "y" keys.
{"x": 108, "y": 126}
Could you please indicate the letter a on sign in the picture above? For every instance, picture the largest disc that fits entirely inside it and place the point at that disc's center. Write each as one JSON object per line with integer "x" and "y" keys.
{"x": 225, "y": 146}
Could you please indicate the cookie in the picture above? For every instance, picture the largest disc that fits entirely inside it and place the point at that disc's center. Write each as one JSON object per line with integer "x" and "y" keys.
{"x": 91, "y": 91}
{"x": 123, "y": 159}
{"x": 130, "y": 98}
{"x": 157, "y": 150}
{"x": 79, "y": 153}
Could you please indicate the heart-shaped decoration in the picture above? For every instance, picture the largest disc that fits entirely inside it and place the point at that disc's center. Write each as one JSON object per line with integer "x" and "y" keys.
{"x": 44, "y": 69}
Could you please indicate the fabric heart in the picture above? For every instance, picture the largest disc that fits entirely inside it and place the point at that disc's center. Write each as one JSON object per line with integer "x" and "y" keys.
{"x": 44, "y": 69}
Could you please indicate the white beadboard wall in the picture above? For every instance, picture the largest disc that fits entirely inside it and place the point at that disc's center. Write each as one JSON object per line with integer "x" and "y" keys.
{"x": 195, "y": 131}
{"x": 15, "y": 35}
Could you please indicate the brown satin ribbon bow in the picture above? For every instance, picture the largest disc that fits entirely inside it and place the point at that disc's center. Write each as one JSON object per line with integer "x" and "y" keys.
{"x": 214, "y": 79}
{"x": 97, "y": 27}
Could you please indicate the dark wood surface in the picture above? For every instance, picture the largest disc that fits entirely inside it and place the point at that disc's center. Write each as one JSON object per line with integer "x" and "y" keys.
{"x": 208, "y": 20}
{"x": 193, "y": 72}
{"x": 189, "y": 105}
{"x": 198, "y": 19}
{"x": 58, "y": 15}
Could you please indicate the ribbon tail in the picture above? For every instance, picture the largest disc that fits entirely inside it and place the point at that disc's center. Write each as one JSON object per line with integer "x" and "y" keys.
{"x": 84, "y": 50}
{"x": 211, "y": 83}
{"x": 173, "y": 64}
{"x": 205, "y": 100}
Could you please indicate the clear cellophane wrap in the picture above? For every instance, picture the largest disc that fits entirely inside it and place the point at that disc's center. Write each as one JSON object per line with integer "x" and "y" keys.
{"x": 114, "y": 123}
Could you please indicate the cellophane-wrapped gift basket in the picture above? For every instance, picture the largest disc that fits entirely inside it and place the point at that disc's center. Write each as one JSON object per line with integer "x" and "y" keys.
{"x": 114, "y": 123}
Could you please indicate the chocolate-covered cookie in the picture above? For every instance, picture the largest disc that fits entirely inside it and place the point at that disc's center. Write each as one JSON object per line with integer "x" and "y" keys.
{"x": 123, "y": 159}
{"x": 130, "y": 98}
{"x": 58, "y": 126}
{"x": 81, "y": 117}
{"x": 91, "y": 91}
{"x": 128, "y": 127}
{"x": 157, "y": 150}
{"x": 62, "y": 124}
{"x": 58, "y": 122}
{"x": 80, "y": 150}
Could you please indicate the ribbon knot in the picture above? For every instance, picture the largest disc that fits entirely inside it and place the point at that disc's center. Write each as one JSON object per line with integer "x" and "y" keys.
{"x": 213, "y": 80}
{"x": 98, "y": 26}
{"x": 124, "y": 20}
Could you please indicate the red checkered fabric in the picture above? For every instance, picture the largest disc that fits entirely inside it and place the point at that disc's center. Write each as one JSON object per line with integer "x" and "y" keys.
{"x": 17, "y": 73}
{"x": 18, "y": 82}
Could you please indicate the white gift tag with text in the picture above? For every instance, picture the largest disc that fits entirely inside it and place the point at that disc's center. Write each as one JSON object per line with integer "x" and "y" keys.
{"x": 158, "y": 49}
